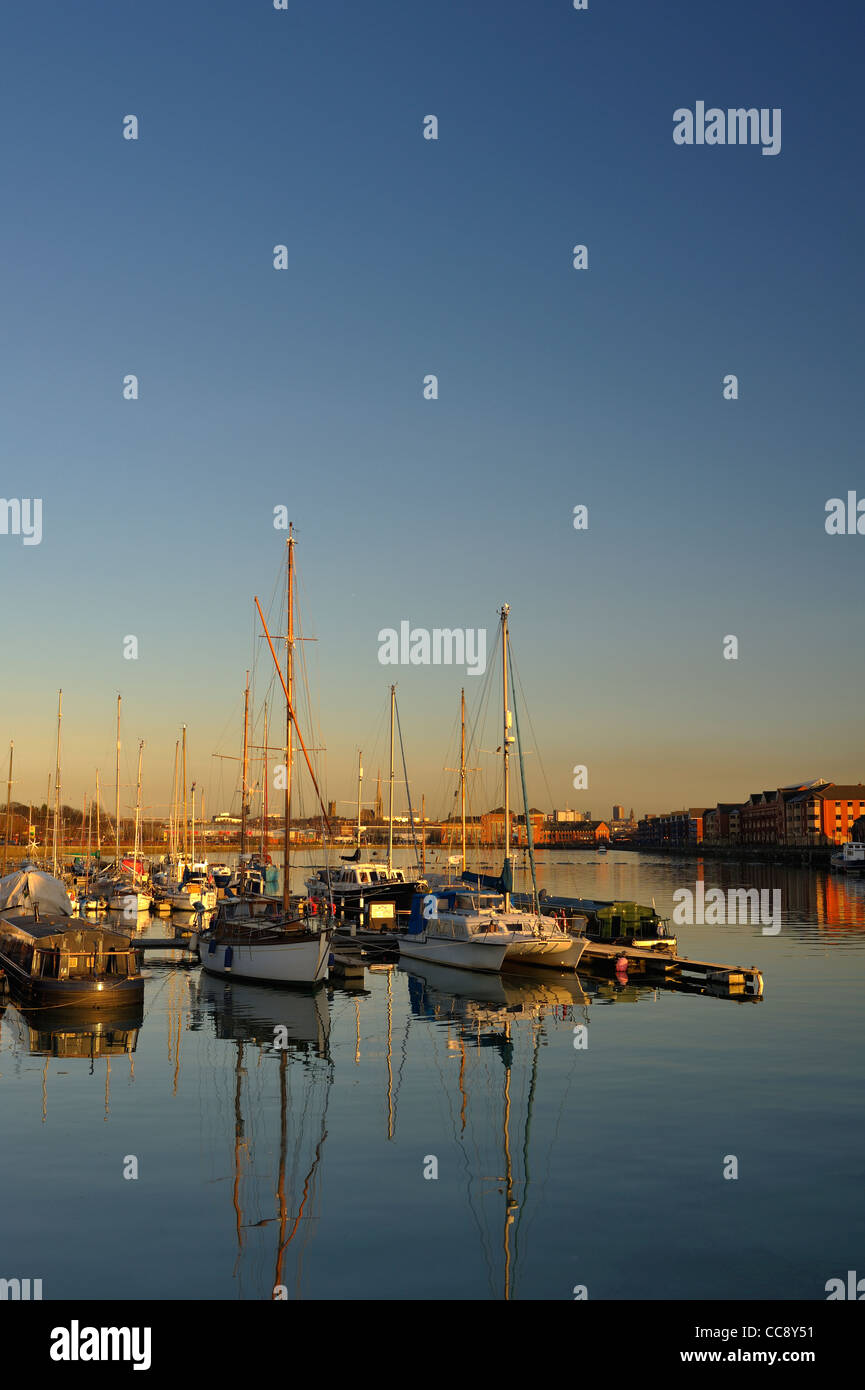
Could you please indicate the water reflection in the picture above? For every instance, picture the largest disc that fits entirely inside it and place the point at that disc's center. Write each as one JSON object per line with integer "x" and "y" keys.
{"x": 70, "y": 1032}
{"x": 506, "y": 1020}
{"x": 282, "y": 1038}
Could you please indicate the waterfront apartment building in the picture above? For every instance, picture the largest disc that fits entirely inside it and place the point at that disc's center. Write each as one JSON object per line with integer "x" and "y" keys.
{"x": 716, "y": 822}
{"x": 673, "y": 828}
{"x": 801, "y": 814}
{"x": 824, "y": 815}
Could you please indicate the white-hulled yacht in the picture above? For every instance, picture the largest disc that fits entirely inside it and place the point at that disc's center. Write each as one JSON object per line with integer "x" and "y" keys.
{"x": 457, "y": 912}
{"x": 445, "y": 933}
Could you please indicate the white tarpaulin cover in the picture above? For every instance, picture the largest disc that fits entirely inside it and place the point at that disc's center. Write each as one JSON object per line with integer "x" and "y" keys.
{"x": 28, "y": 887}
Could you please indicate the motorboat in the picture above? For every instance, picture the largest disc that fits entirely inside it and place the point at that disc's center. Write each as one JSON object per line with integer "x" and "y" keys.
{"x": 458, "y": 936}
{"x": 534, "y": 938}
{"x": 850, "y": 859}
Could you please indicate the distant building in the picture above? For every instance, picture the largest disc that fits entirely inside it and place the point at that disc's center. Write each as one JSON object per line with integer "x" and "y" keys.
{"x": 672, "y": 828}
{"x": 493, "y": 827}
{"x": 618, "y": 812}
{"x": 824, "y": 815}
{"x": 716, "y": 822}
{"x": 578, "y": 832}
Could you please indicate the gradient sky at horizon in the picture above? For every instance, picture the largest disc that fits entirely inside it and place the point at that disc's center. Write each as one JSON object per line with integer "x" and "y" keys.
{"x": 557, "y": 387}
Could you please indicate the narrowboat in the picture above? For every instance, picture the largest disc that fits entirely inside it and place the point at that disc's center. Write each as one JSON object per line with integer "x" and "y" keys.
{"x": 51, "y": 958}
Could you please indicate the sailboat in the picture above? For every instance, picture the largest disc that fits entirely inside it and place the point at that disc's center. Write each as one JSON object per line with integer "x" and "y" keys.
{"x": 450, "y": 924}
{"x": 253, "y": 938}
{"x": 360, "y": 886}
{"x": 131, "y": 896}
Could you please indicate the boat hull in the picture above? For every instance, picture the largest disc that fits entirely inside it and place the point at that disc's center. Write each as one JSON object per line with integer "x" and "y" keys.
{"x": 485, "y": 955}
{"x": 73, "y": 994}
{"x": 301, "y": 962}
{"x": 551, "y": 953}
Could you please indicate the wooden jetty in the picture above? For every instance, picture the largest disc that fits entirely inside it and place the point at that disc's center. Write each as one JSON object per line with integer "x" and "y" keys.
{"x": 665, "y": 967}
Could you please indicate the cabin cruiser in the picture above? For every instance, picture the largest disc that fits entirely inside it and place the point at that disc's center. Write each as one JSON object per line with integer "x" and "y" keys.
{"x": 50, "y": 957}
{"x": 358, "y": 885}
{"x": 456, "y": 935}
{"x": 253, "y": 939}
{"x": 533, "y": 938}
{"x": 850, "y": 859}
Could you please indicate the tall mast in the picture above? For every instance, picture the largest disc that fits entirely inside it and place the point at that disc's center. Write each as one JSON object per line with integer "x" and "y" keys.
{"x": 137, "y": 816}
{"x": 193, "y": 822}
{"x": 98, "y": 825}
{"x": 8, "y": 807}
{"x": 89, "y": 842}
{"x": 57, "y": 783}
{"x": 359, "y": 789}
{"x": 423, "y": 835}
{"x": 263, "y": 836}
{"x": 390, "y": 803}
{"x": 172, "y": 815}
{"x": 243, "y": 791}
{"x": 506, "y": 746}
{"x": 289, "y": 705}
{"x": 117, "y": 788}
{"x": 47, "y": 812}
{"x": 463, "y": 769}
{"x": 185, "y": 820}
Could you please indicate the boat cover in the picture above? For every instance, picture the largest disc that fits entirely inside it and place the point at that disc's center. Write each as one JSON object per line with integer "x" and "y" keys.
{"x": 27, "y": 888}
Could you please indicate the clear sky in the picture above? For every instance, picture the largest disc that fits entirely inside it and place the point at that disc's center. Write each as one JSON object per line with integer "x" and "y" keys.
{"x": 557, "y": 386}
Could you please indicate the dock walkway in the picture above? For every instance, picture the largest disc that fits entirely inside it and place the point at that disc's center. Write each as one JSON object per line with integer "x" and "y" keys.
{"x": 667, "y": 967}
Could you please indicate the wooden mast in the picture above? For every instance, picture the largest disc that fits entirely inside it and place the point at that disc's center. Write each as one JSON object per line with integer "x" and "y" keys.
{"x": 264, "y": 790}
{"x": 8, "y": 807}
{"x": 506, "y": 745}
{"x": 172, "y": 817}
{"x": 243, "y": 791}
{"x": 57, "y": 784}
{"x": 185, "y": 817}
{"x": 117, "y": 788}
{"x": 390, "y": 802}
{"x": 289, "y": 704}
{"x": 463, "y": 769}
{"x": 137, "y": 817}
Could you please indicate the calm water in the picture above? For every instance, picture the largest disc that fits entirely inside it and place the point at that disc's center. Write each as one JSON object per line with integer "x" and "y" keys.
{"x": 556, "y": 1167}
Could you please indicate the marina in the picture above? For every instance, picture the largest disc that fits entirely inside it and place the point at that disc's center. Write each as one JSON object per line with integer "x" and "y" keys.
{"x": 432, "y": 829}
{"x": 388, "y": 1061}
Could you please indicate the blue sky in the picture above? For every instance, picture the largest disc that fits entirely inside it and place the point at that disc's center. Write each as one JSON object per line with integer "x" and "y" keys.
{"x": 557, "y": 387}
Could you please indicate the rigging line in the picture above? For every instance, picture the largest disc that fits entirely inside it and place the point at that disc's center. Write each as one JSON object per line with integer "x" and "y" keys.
{"x": 407, "y": 787}
{"x": 515, "y": 672}
{"x": 292, "y": 714}
{"x": 530, "y": 839}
